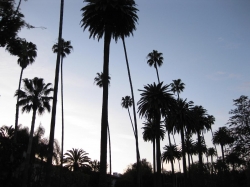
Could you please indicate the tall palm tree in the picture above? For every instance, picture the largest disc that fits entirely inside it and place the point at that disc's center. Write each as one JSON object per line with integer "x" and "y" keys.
{"x": 177, "y": 87}
{"x": 99, "y": 82}
{"x": 127, "y": 102}
{"x": 154, "y": 100}
{"x": 35, "y": 97}
{"x": 53, "y": 115}
{"x": 222, "y": 137}
{"x": 26, "y": 56}
{"x": 170, "y": 154}
{"x": 111, "y": 19}
{"x": 155, "y": 59}
{"x": 182, "y": 120}
{"x": 66, "y": 48}
{"x": 75, "y": 159}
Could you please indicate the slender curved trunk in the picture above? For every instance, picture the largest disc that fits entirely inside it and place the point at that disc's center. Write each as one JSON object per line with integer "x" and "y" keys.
{"x": 104, "y": 120}
{"x": 27, "y": 159}
{"x": 53, "y": 113}
{"x": 157, "y": 74}
{"x": 17, "y": 107}
{"x": 131, "y": 122}
{"x": 62, "y": 143}
{"x": 158, "y": 151}
{"x": 110, "y": 163}
{"x": 135, "y": 121}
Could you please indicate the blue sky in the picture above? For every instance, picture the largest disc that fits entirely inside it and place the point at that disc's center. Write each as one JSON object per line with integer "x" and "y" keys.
{"x": 204, "y": 43}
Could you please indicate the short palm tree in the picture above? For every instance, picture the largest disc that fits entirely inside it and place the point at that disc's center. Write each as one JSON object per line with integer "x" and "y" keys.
{"x": 75, "y": 159}
{"x": 26, "y": 56}
{"x": 111, "y": 19}
{"x": 149, "y": 134}
{"x": 127, "y": 102}
{"x": 154, "y": 100}
{"x": 170, "y": 154}
{"x": 155, "y": 59}
{"x": 211, "y": 152}
{"x": 35, "y": 97}
{"x": 222, "y": 137}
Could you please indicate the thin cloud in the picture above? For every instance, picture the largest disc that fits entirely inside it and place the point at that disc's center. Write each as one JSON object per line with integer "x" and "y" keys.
{"x": 220, "y": 75}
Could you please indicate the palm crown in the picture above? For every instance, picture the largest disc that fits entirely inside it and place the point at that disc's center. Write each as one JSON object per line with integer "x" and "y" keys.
{"x": 118, "y": 16}
{"x": 66, "y": 48}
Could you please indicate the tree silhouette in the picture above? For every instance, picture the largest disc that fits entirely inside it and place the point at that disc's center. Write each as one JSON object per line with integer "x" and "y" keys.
{"x": 35, "y": 98}
{"x": 154, "y": 100}
{"x": 111, "y": 19}
{"x": 127, "y": 102}
{"x": 75, "y": 159}
{"x": 170, "y": 154}
{"x": 177, "y": 87}
{"x": 65, "y": 50}
{"x": 26, "y": 56}
{"x": 98, "y": 80}
{"x": 155, "y": 59}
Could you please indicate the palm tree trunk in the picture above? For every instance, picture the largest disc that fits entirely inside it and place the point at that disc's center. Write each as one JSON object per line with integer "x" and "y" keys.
{"x": 172, "y": 162}
{"x": 110, "y": 166}
{"x": 222, "y": 151}
{"x": 214, "y": 144}
{"x": 212, "y": 165}
{"x": 135, "y": 121}
{"x": 53, "y": 113}
{"x": 104, "y": 122}
{"x": 27, "y": 159}
{"x": 62, "y": 143}
{"x": 154, "y": 161}
{"x": 184, "y": 156}
{"x": 17, "y": 107}
{"x": 131, "y": 122}
{"x": 158, "y": 151}
{"x": 157, "y": 74}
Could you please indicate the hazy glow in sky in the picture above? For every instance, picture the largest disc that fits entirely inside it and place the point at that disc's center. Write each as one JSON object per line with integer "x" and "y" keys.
{"x": 204, "y": 43}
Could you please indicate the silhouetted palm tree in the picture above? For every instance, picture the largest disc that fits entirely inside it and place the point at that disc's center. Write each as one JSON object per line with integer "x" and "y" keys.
{"x": 211, "y": 152}
{"x": 26, "y": 56}
{"x": 35, "y": 97}
{"x": 182, "y": 120}
{"x": 126, "y": 103}
{"x": 76, "y": 158}
{"x": 154, "y": 100}
{"x": 65, "y": 50}
{"x": 149, "y": 134}
{"x": 111, "y": 19}
{"x": 155, "y": 59}
{"x": 98, "y": 80}
{"x": 170, "y": 154}
{"x": 222, "y": 137}
{"x": 177, "y": 87}
{"x": 53, "y": 115}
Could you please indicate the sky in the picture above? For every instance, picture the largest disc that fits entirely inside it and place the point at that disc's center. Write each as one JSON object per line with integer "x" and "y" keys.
{"x": 206, "y": 44}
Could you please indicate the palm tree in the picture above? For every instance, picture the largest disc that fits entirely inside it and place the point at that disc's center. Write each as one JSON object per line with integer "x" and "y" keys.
{"x": 149, "y": 134}
{"x": 27, "y": 55}
{"x": 95, "y": 165}
{"x": 75, "y": 159}
{"x": 170, "y": 154}
{"x": 53, "y": 115}
{"x": 154, "y": 100}
{"x": 98, "y": 80}
{"x": 182, "y": 120}
{"x": 127, "y": 102}
{"x": 211, "y": 152}
{"x": 155, "y": 59}
{"x": 177, "y": 87}
{"x": 34, "y": 97}
{"x": 111, "y": 19}
{"x": 222, "y": 137}
{"x": 65, "y": 50}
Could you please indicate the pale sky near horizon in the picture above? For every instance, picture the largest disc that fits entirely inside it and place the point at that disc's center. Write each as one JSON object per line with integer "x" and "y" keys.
{"x": 204, "y": 43}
